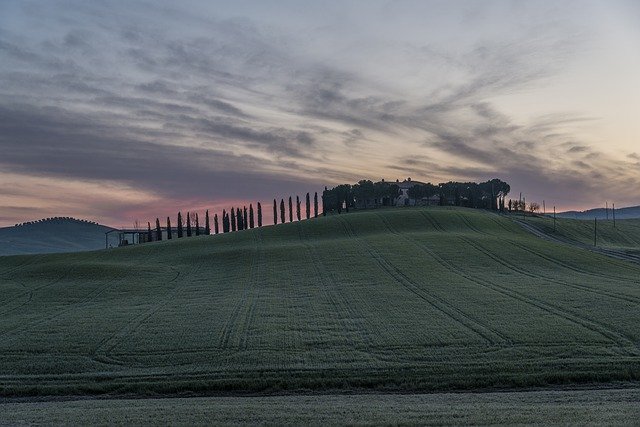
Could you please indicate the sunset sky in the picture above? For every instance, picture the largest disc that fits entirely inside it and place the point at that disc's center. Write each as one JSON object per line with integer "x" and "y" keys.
{"x": 121, "y": 110}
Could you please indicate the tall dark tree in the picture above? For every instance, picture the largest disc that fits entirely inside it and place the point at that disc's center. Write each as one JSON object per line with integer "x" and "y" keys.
{"x": 251, "y": 223}
{"x": 239, "y": 219}
{"x": 158, "y": 230}
{"x": 324, "y": 202}
{"x": 233, "y": 219}
{"x": 188, "y": 224}
{"x": 169, "y": 231}
{"x": 245, "y": 218}
{"x": 308, "y": 207}
{"x": 282, "y": 211}
{"x": 225, "y": 221}
{"x": 207, "y": 225}
{"x": 216, "y": 229}
{"x": 149, "y": 235}
{"x": 197, "y": 225}
{"x": 315, "y": 205}
{"x": 275, "y": 212}
{"x": 298, "y": 208}
{"x": 290, "y": 209}
{"x": 180, "y": 225}
{"x": 259, "y": 215}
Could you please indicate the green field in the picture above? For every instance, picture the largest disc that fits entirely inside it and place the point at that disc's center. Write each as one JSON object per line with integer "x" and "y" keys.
{"x": 625, "y": 235}
{"x": 558, "y": 407}
{"x": 416, "y": 299}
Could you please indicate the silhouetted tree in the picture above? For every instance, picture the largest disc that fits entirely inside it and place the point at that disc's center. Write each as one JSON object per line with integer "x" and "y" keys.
{"x": 239, "y": 220}
{"x": 225, "y": 221}
{"x": 245, "y": 218}
{"x": 207, "y": 225}
{"x": 233, "y": 219}
{"x": 275, "y": 212}
{"x": 290, "y": 209}
{"x": 188, "y": 225}
{"x": 298, "y": 208}
{"x": 324, "y": 202}
{"x": 251, "y": 223}
{"x": 169, "y": 231}
{"x": 259, "y": 215}
{"x": 149, "y": 235}
{"x": 215, "y": 224}
{"x": 308, "y": 207}
{"x": 197, "y": 225}
{"x": 158, "y": 230}
{"x": 282, "y": 214}
{"x": 179, "y": 225}
{"x": 315, "y": 205}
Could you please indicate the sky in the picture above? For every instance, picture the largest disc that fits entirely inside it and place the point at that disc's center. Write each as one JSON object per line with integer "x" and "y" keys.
{"x": 117, "y": 111}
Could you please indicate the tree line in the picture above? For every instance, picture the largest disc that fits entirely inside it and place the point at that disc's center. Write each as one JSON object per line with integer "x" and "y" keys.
{"x": 367, "y": 194}
{"x": 236, "y": 219}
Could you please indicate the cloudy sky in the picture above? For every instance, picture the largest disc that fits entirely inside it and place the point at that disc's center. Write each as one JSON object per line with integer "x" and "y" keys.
{"x": 123, "y": 110}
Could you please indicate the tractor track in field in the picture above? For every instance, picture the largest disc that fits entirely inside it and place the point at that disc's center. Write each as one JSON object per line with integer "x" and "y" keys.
{"x": 612, "y": 253}
{"x": 493, "y": 218}
{"x": 257, "y": 275}
{"x": 603, "y": 330}
{"x": 458, "y": 316}
{"x": 102, "y": 353}
{"x": 232, "y": 321}
{"x": 510, "y": 266}
{"x": 337, "y": 300}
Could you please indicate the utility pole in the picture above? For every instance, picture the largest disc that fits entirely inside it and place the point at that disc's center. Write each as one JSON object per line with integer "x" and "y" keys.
{"x": 554, "y": 219}
{"x": 606, "y": 209}
{"x": 595, "y": 231}
{"x": 613, "y": 210}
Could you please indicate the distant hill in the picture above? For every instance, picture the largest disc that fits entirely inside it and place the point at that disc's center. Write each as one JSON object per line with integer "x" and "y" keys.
{"x": 53, "y": 235}
{"x": 630, "y": 212}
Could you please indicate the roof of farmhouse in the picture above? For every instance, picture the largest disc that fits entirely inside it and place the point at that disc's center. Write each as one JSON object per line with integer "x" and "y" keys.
{"x": 408, "y": 183}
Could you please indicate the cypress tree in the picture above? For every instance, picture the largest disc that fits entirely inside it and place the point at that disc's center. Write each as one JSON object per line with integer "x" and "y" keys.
{"x": 245, "y": 218}
{"x": 315, "y": 205}
{"x": 188, "y": 225}
{"x": 149, "y": 235}
{"x": 308, "y": 207}
{"x": 251, "y": 223}
{"x": 207, "y": 226}
{"x": 282, "y": 211}
{"x": 179, "y": 225}
{"x": 169, "y": 236}
{"x": 158, "y": 230}
{"x": 298, "y": 208}
{"x": 275, "y": 212}
{"x": 215, "y": 224}
{"x": 290, "y": 209}
{"x": 233, "y": 219}
{"x": 239, "y": 220}
{"x": 324, "y": 210}
{"x": 259, "y": 215}
{"x": 197, "y": 225}
{"x": 225, "y": 225}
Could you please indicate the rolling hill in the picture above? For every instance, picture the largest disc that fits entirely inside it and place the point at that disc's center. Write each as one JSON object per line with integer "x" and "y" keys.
{"x": 53, "y": 235}
{"x": 631, "y": 212}
{"x": 415, "y": 299}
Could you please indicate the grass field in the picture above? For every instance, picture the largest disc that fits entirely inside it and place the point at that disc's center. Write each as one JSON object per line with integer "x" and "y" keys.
{"x": 570, "y": 407}
{"x": 625, "y": 235}
{"x": 400, "y": 299}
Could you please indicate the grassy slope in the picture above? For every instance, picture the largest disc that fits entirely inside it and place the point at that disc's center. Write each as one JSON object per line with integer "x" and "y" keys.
{"x": 626, "y": 234}
{"x": 400, "y": 299}
{"x": 574, "y": 407}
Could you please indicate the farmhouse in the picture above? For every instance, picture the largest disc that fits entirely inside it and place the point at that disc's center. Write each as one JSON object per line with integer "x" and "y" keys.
{"x": 403, "y": 199}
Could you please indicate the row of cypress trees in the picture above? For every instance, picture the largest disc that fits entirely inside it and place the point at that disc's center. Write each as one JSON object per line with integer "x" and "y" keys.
{"x": 236, "y": 219}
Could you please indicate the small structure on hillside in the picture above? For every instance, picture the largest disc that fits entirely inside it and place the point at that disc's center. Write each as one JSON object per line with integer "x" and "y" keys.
{"x": 133, "y": 236}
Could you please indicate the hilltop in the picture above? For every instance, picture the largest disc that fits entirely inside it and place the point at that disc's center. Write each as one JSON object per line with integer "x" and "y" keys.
{"x": 52, "y": 235}
{"x": 631, "y": 212}
{"x": 409, "y": 299}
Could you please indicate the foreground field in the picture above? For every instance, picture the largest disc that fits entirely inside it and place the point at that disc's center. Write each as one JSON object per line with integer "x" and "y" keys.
{"x": 577, "y": 407}
{"x": 401, "y": 299}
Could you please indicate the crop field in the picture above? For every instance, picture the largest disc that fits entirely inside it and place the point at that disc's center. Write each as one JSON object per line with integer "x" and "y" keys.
{"x": 625, "y": 235}
{"x": 416, "y": 299}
